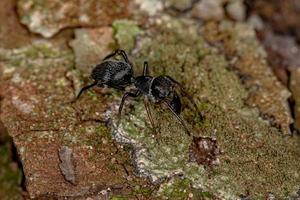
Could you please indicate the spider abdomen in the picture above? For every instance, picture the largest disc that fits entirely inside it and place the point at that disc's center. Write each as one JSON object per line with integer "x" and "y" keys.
{"x": 113, "y": 73}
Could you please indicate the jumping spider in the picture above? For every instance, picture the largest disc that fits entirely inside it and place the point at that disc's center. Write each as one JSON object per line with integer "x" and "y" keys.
{"x": 118, "y": 74}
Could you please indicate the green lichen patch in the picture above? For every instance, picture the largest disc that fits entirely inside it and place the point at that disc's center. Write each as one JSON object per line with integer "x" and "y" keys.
{"x": 32, "y": 55}
{"x": 125, "y": 33}
{"x": 255, "y": 159}
{"x": 150, "y": 145}
{"x": 248, "y": 58}
{"x": 90, "y": 46}
{"x": 176, "y": 189}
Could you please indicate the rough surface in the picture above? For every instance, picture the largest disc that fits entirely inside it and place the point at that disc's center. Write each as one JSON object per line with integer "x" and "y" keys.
{"x": 67, "y": 166}
{"x": 236, "y": 10}
{"x": 283, "y": 54}
{"x": 125, "y": 33}
{"x": 237, "y": 151}
{"x": 12, "y": 33}
{"x": 283, "y": 16}
{"x": 179, "y": 5}
{"x": 48, "y": 120}
{"x": 209, "y": 10}
{"x": 152, "y": 8}
{"x": 294, "y": 86}
{"x": 49, "y": 17}
{"x": 249, "y": 59}
{"x": 248, "y": 142}
{"x": 90, "y": 46}
{"x": 285, "y": 48}
{"x": 204, "y": 151}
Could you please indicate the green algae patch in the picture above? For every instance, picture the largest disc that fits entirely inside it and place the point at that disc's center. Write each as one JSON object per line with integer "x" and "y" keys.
{"x": 90, "y": 46}
{"x": 248, "y": 58}
{"x": 125, "y": 33}
{"x": 155, "y": 145}
{"x": 255, "y": 159}
{"x": 118, "y": 198}
{"x": 176, "y": 189}
{"x": 32, "y": 55}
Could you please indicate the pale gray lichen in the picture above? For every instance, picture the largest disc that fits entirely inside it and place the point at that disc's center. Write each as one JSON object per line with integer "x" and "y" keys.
{"x": 67, "y": 166}
{"x": 164, "y": 154}
{"x": 125, "y": 33}
{"x": 236, "y": 10}
{"x": 151, "y": 7}
{"x": 208, "y": 10}
{"x": 48, "y": 17}
{"x": 90, "y": 46}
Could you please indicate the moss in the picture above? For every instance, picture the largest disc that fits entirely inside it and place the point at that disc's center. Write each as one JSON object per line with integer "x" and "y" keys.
{"x": 16, "y": 62}
{"x": 139, "y": 190}
{"x": 40, "y": 50}
{"x": 175, "y": 48}
{"x": 176, "y": 189}
{"x": 207, "y": 195}
{"x": 28, "y": 55}
{"x": 93, "y": 95}
{"x": 250, "y": 61}
{"x": 118, "y": 198}
{"x": 125, "y": 33}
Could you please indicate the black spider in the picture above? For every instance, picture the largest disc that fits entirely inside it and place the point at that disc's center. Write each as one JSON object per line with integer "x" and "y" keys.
{"x": 112, "y": 73}
{"x": 159, "y": 89}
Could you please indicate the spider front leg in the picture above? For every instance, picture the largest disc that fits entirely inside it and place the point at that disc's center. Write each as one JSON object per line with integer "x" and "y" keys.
{"x": 146, "y": 104}
{"x": 125, "y": 96}
{"x": 171, "y": 108}
{"x": 119, "y": 52}
{"x": 184, "y": 93}
{"x": 145, "y": 70}
{"x": 86, "y": 88}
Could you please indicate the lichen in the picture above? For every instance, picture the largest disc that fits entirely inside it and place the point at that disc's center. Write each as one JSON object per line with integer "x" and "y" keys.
{"x": 248, "y": 58}
{"x": 90, "y": 46}
{"x": 33, "y": 55}
{"x": 150, "y": 7}
{"x": 49, "y": 17}
{"x": 247, "y": 141}
{"x": 176, "y": 189}
{"x": 125, "y": 33}
{"x": 38, "y": 100}
{"x": 118, "y": 198}
{"x": 40, "y": 83}
{"x": 149, "y": 145}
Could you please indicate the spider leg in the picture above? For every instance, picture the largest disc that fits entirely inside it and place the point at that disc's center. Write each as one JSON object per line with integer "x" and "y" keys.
{"x": 177, "y": 116}
{"x": 86, "y": 88}
{"x": 126, "y": 94}
{"x": 111, "y": 55}
{"x": 118, "y": 87}
{"x": 124, "y": 55}
{"x": 119, "y": 52}
{"x": 145, "y": 70}
{"x": 184, "y": 93}
{"x": 146, "y": 103}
